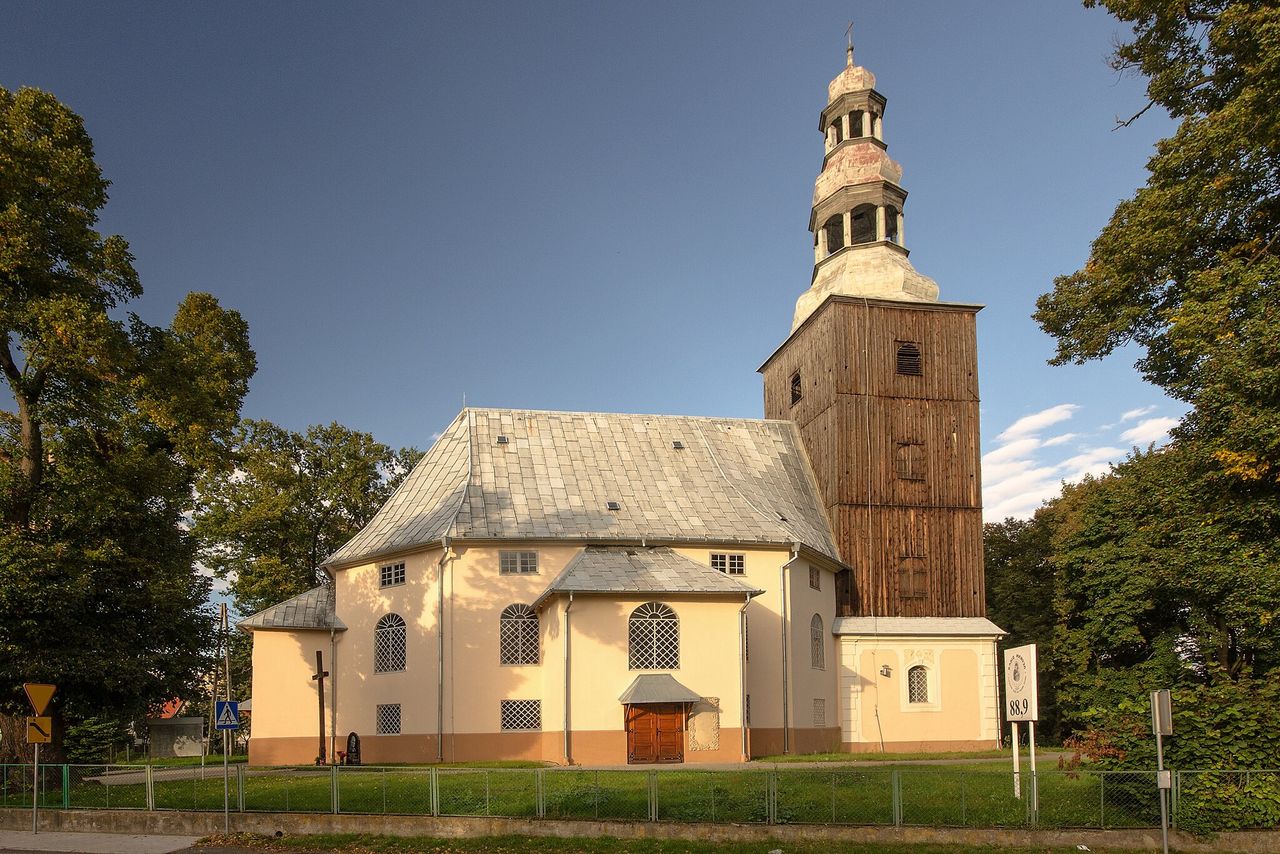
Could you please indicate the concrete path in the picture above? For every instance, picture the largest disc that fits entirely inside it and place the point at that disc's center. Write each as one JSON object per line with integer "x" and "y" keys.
{"x": 25, "y": 842}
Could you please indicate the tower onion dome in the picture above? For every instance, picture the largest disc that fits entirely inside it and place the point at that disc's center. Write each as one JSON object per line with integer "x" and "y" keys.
{"x": 857, "y": 220}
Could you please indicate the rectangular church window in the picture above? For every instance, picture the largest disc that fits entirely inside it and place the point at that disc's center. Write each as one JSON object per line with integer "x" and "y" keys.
{"x": 729, "y": 564}
{"x": 388, "y": 719}
{"x": 391, "y": 575}
{"x": 913, "y": 578}
{"x": 908, "y": 460}
{"x": 517, "y": 563}
{"x": 815, "y": 578}
{"x": 521, "y": 714}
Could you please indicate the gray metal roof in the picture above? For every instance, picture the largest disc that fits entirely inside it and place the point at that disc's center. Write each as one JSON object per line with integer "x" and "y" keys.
{"x": 310, "y": 610}
{"x": 657, "y": 688}
{"x": 620, "y": 569}
{"x": 916, "y": 626}
{"x": 734, "y": 481}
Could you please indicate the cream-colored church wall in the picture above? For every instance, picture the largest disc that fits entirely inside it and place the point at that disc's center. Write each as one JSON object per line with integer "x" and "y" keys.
{"x": 961, "y": 712}
{"x": 285, "y": 711}
{"x": 809, "y": 683}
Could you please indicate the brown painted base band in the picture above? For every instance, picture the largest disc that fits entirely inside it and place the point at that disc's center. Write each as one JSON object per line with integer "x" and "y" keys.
{"x": 585, "y": 748}
{"x": 920, "y": 746}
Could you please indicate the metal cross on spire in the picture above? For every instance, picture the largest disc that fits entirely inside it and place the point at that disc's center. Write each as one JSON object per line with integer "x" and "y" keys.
{"x": 848, "y": 33}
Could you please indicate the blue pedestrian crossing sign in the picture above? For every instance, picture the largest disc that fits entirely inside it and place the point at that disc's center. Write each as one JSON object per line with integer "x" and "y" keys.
{"x": 226, "y": 714}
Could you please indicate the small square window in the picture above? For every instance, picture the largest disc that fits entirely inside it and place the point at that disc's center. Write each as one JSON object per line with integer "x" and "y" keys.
{"x": 797, "y": 389}
{"x": 388, "y": 719}
{"x": 517, "y": 563}
{"x": 729, "y": 564}
{"x": 391, "y": 575}
{"x": 815, "y": 578}
{"x": 521, "y": 714}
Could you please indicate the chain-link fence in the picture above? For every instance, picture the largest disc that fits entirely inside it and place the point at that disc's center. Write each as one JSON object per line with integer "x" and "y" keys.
{"x": 936, "y": 796}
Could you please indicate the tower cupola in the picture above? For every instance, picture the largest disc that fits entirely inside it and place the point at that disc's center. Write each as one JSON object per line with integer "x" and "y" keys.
{"x": 858, "y": 200}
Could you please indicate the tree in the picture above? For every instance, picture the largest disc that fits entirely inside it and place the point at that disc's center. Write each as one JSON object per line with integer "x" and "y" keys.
{"x": 1021, "y": 588}
{"x": 291, "y": 501}
{"x": 107, "y": 423}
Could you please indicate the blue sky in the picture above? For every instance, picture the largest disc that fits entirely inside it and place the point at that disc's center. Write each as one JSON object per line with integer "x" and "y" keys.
{"x": 596, "y": 206}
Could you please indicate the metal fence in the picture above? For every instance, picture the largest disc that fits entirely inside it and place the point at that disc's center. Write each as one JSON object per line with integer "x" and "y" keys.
{"x": 938, "y": 796}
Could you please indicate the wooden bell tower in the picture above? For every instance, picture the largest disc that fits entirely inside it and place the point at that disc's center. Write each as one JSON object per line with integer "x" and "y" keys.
{"x": 881, "y": 379}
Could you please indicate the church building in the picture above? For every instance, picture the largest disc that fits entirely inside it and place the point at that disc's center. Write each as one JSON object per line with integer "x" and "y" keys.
{"x": 592, "y": 588}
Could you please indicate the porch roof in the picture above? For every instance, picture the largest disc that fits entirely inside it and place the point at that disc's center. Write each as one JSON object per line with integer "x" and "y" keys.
{"x": 656, "y": 688}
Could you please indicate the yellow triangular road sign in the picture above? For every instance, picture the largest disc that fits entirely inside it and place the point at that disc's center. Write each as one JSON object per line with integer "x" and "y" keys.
{"x": 39, "y": 695}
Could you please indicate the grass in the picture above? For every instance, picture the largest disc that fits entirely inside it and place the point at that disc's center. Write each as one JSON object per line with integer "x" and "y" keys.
{"x": 882, "y": 757}
{"x": 182, "y": 761}
{"x": 371, "y": 844}
{"x": 974, "y": 795}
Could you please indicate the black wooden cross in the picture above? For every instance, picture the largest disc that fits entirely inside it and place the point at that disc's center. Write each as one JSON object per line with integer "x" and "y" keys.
{"x": 318, "y": 678}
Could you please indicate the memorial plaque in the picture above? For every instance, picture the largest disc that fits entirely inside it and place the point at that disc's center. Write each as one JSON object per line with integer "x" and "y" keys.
{"x": 353, "y": 749}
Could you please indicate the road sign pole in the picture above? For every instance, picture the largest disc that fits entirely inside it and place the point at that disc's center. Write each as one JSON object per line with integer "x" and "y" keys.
{"x": 1017, "y": 771}
{"x": 35, "y": 789}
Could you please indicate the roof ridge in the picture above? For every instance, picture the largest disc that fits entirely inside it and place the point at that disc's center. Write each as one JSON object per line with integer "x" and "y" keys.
{"x": 714, "y": 418}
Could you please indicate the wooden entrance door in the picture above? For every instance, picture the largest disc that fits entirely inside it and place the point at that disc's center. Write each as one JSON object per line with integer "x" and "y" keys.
{"x": 655, "y": 733}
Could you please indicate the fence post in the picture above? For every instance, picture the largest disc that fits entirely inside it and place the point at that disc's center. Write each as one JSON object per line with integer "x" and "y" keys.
{"x": 1102, "y": 801}
{"x": 435, "y": 792}
{"x": 333, "y": 788}
{"x": 896, "y": 777}
{"x": 653, "y": 796}
{"x": 151, "y": 788}
{"x": 771, "y": 796}
{"x": 1174, "y": 798}
{"x": 539, "y": 795}
{"x": 240, "y": 775}
{"x": 66, "y": 787}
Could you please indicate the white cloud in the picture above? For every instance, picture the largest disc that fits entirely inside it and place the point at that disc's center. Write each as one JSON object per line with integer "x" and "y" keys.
{"x": 1059, "y": 440}
{"x": 1011, "y": 451}
{"x": 1029, "y": 425}
{"x": 1148, "y": 431}
{"x": 1137, "y": 413}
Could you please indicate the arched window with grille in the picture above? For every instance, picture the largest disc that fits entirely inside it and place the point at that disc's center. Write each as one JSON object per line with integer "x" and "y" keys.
{"x": 918, "y": 684}
{"x": 653, "y": 638}
{"x": 518, "y": 635}
{"x": 817, "y": 644}
{"x": 389, "y": 644}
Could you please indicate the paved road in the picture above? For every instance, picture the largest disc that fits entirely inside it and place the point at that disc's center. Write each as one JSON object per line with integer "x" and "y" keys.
{"x": 25, "y": 842}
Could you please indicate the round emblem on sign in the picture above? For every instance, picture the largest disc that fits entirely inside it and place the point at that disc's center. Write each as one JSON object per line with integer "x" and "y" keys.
{"x": 1017, "y": 674}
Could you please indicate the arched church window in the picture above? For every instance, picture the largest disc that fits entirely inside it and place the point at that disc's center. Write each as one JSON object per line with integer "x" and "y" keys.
{"x": 518, "y": 635}
{"x": 891, "y": 224}
{"x": 817, "y": 644}
{"x": 918, "y": 684}
{"x": 855, "y": 124}
{"x": 864, "y": 224}
{"x": 909, "y": 360}
{"x": 834, "y": 228}
{"x": 389, "y": 644}
{"x": 653, "y": 638}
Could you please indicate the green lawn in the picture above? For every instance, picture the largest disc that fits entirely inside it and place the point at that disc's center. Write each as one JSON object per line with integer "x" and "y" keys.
{"x": 974, "y": 795}
{"x": 886, "y": 757}
{"x": 371, "y": 844}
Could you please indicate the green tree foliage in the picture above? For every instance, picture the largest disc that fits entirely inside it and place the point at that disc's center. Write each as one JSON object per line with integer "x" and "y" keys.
{"x": 1020, "y": 584}
{"x": 104, "y": 428}
{"x": 291, "y": 501}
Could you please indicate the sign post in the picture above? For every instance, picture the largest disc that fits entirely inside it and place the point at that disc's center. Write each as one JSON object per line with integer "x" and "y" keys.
{"x": 1022, "y": 703}
{"x": 1162, "y": 725}
{"x": 39, "y": 731}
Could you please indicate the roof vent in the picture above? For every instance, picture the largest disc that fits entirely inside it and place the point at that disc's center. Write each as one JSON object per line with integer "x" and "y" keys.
{"x": 613, "y": 505}
{"x": 503, "y": 440}
{"x": 781, "y": 518}
{"x": 678, "y": 445}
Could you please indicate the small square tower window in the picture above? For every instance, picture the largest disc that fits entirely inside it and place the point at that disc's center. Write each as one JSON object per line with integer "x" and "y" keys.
{"x": 797, "y": 390}
{"x": 729, "y": 564}
{"x": 391, "y": 575}
{"x": 910, "y": 362}
{"x": 517, "y": 563}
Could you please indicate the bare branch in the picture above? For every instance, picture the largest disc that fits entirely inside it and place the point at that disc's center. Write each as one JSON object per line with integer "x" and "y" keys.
{"x": 1124, "y": 123}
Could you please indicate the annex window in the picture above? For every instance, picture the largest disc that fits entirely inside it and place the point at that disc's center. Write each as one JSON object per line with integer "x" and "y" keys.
{"x": 391, "y": 575}
{"x": 913, "y": 578}
{"x": 389, "y": 644}
{"x": 908, "y": 460}
{"x": 387, "y": 719}
{"x": 918, "y": 684}
{"x": 864, "y": 224}
{"x": 797, "y": 389}
{"x": 817, "y": 644}
{"x": 729, "y": 564}
{"x": 815, "y": 578}
{"x": 653, "y": 638}
{"x": 518, "y": 635}
{"x": 521, "y": 714}
{"x": 517, "y": 563}
{"x": 819, "y": 713}
{"x": 909, "y": 360}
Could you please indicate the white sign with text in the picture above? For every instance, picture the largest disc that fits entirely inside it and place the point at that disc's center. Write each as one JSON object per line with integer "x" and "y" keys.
{"x": 1020, "y": 693}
